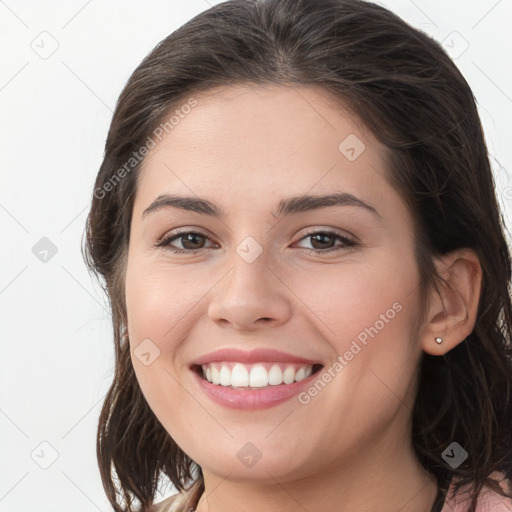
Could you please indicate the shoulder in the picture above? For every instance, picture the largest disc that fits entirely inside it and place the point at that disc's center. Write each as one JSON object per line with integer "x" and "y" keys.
{"x": 168, "y": 505}
{"x": 185, "y": 501}
{"x": 488, "y": 499}
{"x": 491, "y": 501}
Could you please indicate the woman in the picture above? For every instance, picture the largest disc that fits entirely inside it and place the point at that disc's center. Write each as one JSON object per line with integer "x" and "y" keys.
{"x": 296, "y": 225}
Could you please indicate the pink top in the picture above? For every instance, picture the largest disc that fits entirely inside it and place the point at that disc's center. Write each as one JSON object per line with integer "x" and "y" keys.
{"x": 488, "y": 500}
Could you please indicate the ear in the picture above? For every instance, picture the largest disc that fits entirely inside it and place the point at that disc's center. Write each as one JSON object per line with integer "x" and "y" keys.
{"x": 453, "y": 308}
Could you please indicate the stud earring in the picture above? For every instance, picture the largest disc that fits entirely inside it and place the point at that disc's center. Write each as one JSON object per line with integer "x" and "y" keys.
{"x": 439, "y": 340}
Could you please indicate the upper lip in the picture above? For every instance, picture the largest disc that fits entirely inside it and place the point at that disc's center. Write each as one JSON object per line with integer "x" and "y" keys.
{"x": 258, "y": 355}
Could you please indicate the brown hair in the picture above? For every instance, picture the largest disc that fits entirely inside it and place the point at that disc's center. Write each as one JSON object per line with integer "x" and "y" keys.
{"x": 413, "y": 98}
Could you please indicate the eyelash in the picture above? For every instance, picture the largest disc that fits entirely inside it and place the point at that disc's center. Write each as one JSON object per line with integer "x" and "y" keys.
{"x": 166, "y": 240}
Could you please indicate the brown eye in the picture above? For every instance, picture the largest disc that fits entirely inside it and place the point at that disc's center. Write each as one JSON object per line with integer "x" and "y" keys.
{"x": 321, "y": 241}
{"x": 190, "y": 241}
{"x": 324, "y": 241}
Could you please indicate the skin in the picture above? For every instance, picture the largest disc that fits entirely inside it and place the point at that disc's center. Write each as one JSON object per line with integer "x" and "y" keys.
{"x": 245, "y": 148}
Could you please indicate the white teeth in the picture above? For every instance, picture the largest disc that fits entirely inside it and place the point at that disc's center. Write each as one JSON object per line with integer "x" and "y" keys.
{"x": 239, "y": 376}
{"x": 225, "y": 376}
{"x": 257, "y": 375}
{"x": 289, "y": 375}
{"x": 275, "y": 376}
{"x": 300, "y": 375}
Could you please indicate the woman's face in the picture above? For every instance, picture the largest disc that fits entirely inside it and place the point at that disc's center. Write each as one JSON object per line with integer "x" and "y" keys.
{"x": 254, "y": 302}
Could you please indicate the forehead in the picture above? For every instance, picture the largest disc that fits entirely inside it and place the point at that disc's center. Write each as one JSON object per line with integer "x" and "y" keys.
{"x": 251, "y": 142}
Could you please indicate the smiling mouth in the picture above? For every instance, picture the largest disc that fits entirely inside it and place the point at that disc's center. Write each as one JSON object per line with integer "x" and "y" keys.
{"x": 255, "y": 375}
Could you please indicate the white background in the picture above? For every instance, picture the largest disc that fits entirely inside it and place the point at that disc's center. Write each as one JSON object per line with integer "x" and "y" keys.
{"x": 57, "y": 353}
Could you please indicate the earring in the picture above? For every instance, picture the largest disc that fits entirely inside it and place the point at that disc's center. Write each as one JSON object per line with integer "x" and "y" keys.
{"x": 439, "y": 340}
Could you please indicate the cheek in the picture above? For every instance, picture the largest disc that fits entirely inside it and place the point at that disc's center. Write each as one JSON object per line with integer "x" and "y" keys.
{"x": 157, "y": 301}
{"x": 367, "y": 315}
{"x": 360, "y": 301}
{"x": 158, "y": 298}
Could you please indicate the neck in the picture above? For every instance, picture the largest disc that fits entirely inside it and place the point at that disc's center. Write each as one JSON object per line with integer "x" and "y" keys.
{"x": 377, "y": 480}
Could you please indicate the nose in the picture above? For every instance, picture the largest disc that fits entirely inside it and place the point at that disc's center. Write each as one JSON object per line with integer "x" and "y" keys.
{"x": 250, "y": 296}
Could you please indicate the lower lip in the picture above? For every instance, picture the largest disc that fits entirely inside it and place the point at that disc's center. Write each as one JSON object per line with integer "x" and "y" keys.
{"x": 259, "y": 398}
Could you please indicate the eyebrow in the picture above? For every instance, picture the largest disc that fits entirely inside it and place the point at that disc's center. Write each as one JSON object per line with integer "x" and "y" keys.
{"x": 295, "y": 204}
